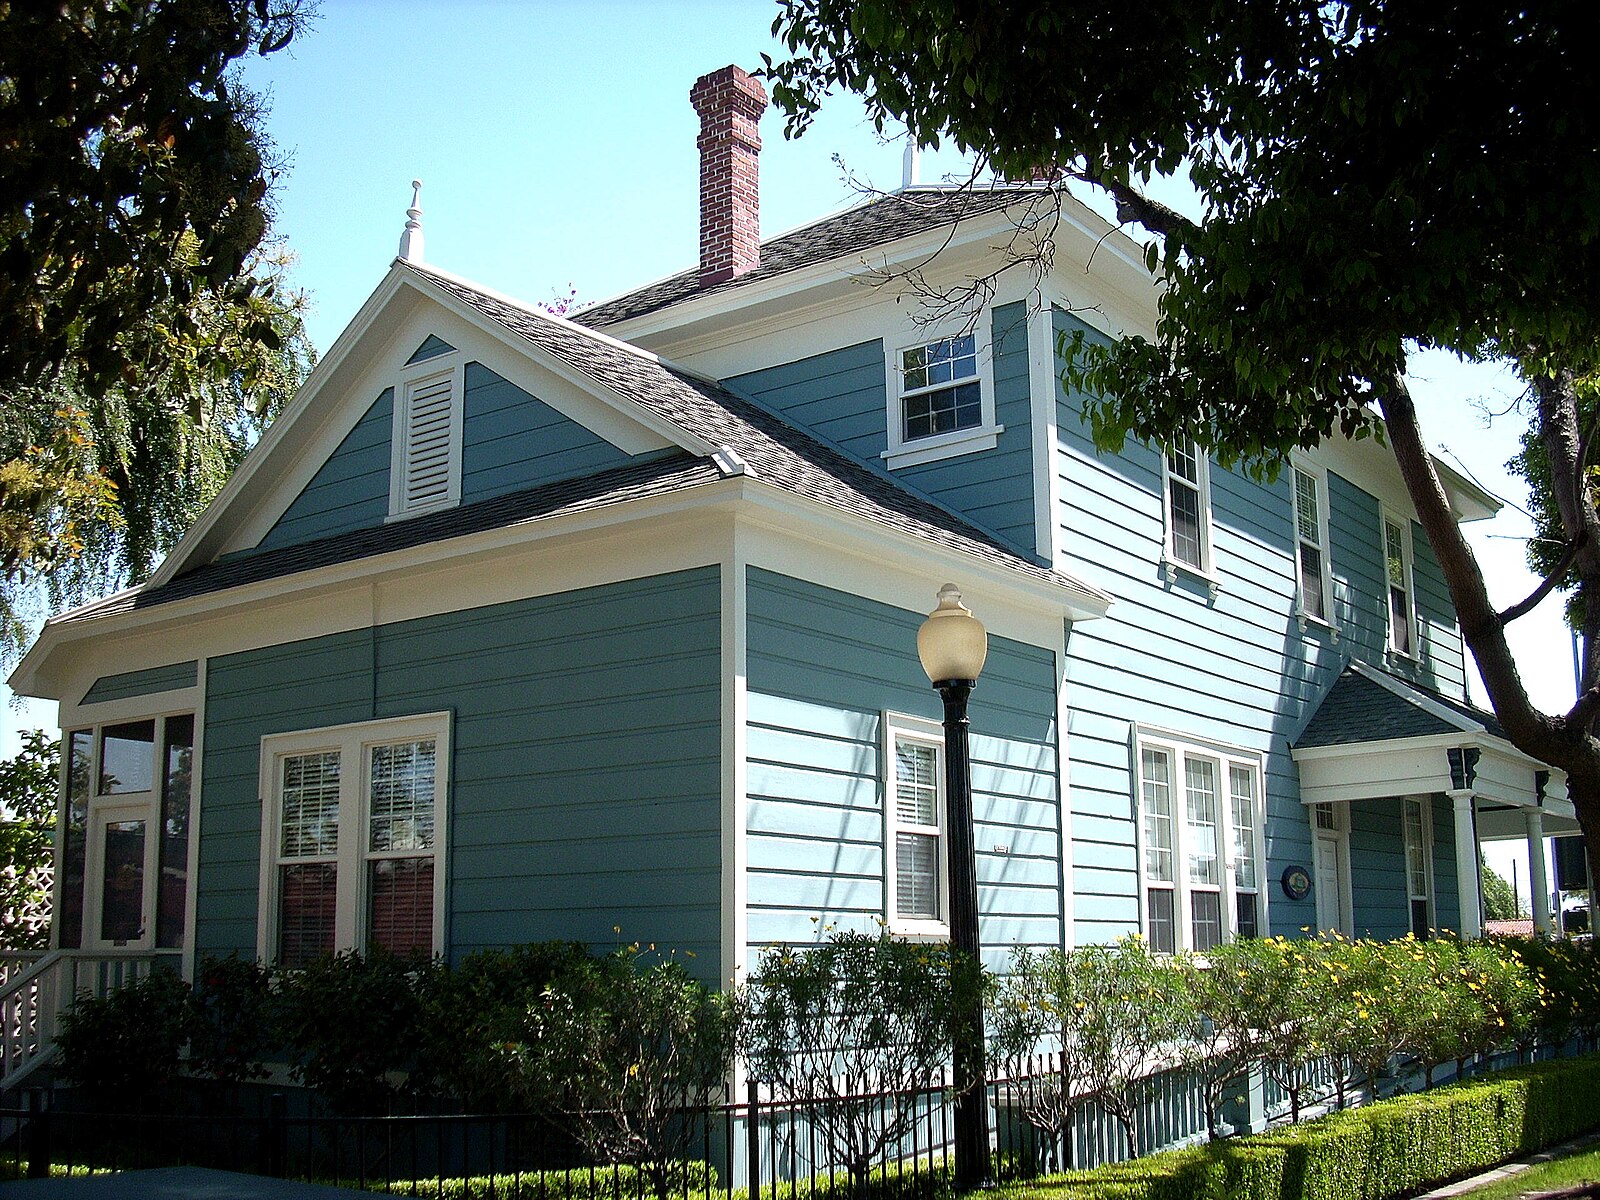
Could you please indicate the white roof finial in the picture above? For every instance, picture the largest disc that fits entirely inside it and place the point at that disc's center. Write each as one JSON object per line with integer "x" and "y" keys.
{"x": 411, "y": 239}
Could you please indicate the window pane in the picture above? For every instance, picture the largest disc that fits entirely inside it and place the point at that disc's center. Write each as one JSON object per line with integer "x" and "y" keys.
{"x": 1242, "y": 787}
{"x": 1416, "y": 850}
{"x": 1419, "y": 919}
{"x": 401, "y": 905}
{"x": 310, "y": 814}
{"x": 1327, "y": 817}
{"x": 1162, "y": 931}
{"x": 128, "y": 758}
{"x": 1313, "y": 596}
{"x": 80, "y": 755}
{"x": 175, "y": 791}
{"x": 1157, "y": 769}
{"x": 1183, "y": 460}
{"x": 1394, "y": 554}
{"x": 1305, "y": 507}
{"x": 122, "y": 894}
{"x": 1200, "y": 783}
{"x": 916, "y": 783}
{"x": 1185, "y": 519}
{"x": 1207, "y": 923}
{"x": 943, "y": 411}
{"x": 1399, "y": 621}
{"x": 308, "y": 900}
{"x": 402, "y": 796}
{"x": 1247, "y": 922}
{"x": 917, "y": 875}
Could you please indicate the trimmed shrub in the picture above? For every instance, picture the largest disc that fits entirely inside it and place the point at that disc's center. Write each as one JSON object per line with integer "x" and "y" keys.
{"x": 123, "y": 1046}
{"x": 229, "y": 1020}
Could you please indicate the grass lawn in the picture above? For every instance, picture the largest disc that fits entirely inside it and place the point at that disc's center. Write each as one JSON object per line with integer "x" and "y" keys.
{"x": 1583, "y": 1167}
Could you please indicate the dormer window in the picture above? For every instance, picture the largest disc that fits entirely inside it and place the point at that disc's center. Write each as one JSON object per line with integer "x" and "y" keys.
{"x": 425, "y": 469}
{"x": 941, "y": 406}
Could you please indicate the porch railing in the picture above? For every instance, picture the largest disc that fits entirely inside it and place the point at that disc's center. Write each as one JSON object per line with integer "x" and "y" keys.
{"x": 32, "y": 1000}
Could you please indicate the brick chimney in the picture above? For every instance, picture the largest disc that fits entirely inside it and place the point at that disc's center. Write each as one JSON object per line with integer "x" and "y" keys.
{"x": 730, "y": 104}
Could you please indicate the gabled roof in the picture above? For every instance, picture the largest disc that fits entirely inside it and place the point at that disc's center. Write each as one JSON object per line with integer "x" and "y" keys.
{"x": 864, "y": 227}
{"x": 1366, "y": 704}
{"x": 721, "y": 434}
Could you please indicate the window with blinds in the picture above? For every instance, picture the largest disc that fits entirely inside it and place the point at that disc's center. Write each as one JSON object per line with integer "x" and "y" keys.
{"x": 914, "y": 828}
{"x": 426, "y": 467}
{"x": 355, "y": 818}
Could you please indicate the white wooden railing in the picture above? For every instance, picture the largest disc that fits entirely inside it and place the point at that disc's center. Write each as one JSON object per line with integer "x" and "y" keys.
{"x": 31, "y": 1002}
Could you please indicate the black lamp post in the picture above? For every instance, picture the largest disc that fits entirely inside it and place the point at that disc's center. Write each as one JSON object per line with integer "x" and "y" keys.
{"x": 952, "y": 644}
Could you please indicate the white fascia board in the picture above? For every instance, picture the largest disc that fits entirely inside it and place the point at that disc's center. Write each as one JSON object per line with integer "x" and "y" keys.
{"x": 1074, "y": 601}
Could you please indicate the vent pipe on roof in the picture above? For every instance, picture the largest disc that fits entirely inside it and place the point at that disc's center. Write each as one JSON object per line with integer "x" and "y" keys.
{"x": 730, "y": 104}
{"x": 411, "y": 239}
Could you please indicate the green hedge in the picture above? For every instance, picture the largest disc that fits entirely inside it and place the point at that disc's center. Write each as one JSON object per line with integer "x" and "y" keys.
{"x": 1371, "y": 1153}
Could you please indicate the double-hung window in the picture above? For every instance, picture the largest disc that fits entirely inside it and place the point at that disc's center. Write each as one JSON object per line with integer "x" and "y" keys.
{"x": 352, "y": 839}
{"x": 914, "y": 804}
{"x": 1311, "y": 545}
{"x": 1397, "y": 581}
{"x": 940, "y": 405}
{"x": 1419, "y": 864}
{"x": 1201, "y": 860}
{"x": 1188, "y": 505}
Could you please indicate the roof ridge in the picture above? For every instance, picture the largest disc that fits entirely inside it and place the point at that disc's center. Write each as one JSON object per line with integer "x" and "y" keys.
{"x": 556, "y": 319}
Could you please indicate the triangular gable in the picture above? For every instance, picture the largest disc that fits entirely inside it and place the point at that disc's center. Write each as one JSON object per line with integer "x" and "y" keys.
{"x": 406, "y": 320}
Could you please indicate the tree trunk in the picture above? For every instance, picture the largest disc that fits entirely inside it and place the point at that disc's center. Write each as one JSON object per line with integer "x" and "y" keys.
{"x": 1567, "y": 741}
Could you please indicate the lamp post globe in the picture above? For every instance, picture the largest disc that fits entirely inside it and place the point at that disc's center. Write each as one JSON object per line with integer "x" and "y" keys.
{"x": 953, "y": 644}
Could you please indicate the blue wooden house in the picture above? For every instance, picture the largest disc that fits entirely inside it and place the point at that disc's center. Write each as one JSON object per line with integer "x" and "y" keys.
{"x": 516, "y": 627}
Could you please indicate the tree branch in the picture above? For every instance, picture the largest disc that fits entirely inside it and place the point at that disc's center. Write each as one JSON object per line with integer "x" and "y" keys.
{"x": 1548, "y": 584}
{"x": 1133, "y": 205}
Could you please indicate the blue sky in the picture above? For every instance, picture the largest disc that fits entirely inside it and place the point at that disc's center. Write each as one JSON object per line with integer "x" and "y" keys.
{"x": 556, "y": 145}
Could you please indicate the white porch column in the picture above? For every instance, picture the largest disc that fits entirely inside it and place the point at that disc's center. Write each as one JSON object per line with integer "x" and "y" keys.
{"x": 1538, "y": 884}
{"x": 1467, "y": 881}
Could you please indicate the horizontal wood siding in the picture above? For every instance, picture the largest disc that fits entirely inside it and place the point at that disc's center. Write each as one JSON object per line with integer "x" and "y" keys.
{"x": 1446, "y": 895}
{"x": 142, "y": 683}
{"x": 1235, "y": 668}
{"x": 511, "y": 440}
{"x": 349, "y": 491}
{"x": 841, "y": 396}
{"x": 585, "y": 775}
{"x": 994, "y": 488}
{"x": 1379, "y": 899}
{"x": 823, "y": 668}
{"x": 432, "y": 346}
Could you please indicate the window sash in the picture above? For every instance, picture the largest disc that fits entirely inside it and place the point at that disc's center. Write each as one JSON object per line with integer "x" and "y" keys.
{"x": 1397, "y": 572}
{"x": 1187, "y": 518}
{"x": 940, "y": 390}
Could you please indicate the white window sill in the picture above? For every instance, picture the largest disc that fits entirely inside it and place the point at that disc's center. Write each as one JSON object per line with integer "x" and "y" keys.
{"x": 942, "y": 445}
{"x": 1171, "y": 568}
{"x": 1306, "y": 620}
{"x": 1404, "y": 657}
{"x": 920, "y": 931}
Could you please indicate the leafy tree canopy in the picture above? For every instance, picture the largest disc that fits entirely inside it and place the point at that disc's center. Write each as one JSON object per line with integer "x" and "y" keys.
{"x": 1372, "y": 176}
{"x": 146, "y": 332}
{"x": 1499, "y": 901}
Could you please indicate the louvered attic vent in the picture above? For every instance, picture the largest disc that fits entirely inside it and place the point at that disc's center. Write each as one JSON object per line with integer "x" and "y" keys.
{"x": 427, "y": 464}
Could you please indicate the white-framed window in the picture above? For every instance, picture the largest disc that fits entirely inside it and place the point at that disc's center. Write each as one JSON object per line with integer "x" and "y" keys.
{"x": 1417, "y": 818}
{"x": 425, "y": 458}
{"x": 1186, "y": 496}
{"x": 916, "y": 890}
{"x": 353, "y": 831}
{"x": 122, "y": 877}
{"x": 942, "y": 403}
{"x": 1311, "y": 545}
{"x": 1399, "y": 599}
{"x": 1202, "y": 856}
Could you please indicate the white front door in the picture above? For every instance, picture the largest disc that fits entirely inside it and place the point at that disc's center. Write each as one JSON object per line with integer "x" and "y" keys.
{"x": 1332, "y": 896}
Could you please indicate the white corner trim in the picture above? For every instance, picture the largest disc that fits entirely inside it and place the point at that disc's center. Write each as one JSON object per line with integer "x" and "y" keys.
{"x": 191, "y": 898}
{"x": 735, "y": 923}
{"x": 1042, "y": 384}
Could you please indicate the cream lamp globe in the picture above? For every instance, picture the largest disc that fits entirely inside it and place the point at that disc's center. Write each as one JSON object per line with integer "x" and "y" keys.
{"x": 952, "y": 643}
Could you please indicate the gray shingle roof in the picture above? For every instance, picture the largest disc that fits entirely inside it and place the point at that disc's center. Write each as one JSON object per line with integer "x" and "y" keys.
{"x": 774, "y": 451}
{"x": 865, "y": 227}
{"x": 634, "y": 481}
{"x": 1358, "y": 708}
